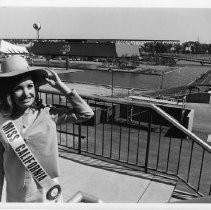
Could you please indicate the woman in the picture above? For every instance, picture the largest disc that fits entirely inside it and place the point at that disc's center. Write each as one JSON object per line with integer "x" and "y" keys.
{"x": 36, "y": 124}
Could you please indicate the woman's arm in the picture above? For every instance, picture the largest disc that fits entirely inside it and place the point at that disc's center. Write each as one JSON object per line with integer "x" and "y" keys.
{"x": 80, "y": 110}
{"x": 1, "y": 170}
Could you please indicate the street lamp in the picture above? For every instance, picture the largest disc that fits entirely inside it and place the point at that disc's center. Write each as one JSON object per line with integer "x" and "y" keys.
{"x": 37, "y": 27}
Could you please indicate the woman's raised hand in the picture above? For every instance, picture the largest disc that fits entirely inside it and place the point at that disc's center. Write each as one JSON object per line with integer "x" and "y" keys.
{"x": 54, "y": 80}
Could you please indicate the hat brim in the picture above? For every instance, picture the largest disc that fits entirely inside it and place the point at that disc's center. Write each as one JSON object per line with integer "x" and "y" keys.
{"x": 38, "y": 74}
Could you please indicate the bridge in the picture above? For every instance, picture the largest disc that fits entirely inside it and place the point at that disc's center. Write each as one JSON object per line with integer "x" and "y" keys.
{"x": 177, "y": 58}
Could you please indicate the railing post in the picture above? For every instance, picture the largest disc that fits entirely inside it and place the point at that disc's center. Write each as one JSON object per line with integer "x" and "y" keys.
{"x": 148, "y": 140}
{"x": 79, "y": 138}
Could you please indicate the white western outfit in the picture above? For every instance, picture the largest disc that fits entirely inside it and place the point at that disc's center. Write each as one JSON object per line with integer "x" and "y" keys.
{"x": 41, "y": 137}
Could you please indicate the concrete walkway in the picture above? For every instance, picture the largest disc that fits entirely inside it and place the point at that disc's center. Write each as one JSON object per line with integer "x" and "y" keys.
{"x": 110, "y": 183}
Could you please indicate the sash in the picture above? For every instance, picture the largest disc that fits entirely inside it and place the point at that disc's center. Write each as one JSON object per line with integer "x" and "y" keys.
{"x": 16, "y": 141}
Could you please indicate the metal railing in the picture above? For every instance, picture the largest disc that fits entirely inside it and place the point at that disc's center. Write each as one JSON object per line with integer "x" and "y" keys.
{"x": 141, "y": 136}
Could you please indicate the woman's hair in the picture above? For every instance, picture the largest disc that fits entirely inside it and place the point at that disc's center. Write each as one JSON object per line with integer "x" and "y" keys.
{"x": 7, "y": 105}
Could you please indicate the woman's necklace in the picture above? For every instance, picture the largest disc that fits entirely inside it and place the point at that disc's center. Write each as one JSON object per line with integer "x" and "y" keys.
{"x": 25, "y": 120}
{"x": 28, "y": 117}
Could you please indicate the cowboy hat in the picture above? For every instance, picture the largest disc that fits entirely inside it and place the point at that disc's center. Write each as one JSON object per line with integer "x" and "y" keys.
{"x": 15, "y": 66}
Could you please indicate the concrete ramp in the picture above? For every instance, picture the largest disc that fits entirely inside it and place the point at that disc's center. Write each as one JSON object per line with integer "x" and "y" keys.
{"x": 111, "y": 186}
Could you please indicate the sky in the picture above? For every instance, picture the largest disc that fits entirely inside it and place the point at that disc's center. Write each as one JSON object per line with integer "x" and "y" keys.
{"x": 189, "y": 22}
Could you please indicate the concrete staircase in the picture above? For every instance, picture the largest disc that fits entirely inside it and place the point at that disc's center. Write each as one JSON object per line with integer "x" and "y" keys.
{"x": 157, "y": 192}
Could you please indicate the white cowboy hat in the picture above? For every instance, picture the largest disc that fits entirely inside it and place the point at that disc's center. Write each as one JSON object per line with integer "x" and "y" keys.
{"x": 16, "y": 65}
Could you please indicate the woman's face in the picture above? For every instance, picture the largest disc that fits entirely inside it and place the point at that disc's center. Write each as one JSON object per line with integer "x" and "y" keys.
{"x": 24, "y": 93}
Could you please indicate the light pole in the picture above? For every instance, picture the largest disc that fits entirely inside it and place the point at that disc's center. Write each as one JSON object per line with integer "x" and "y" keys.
{"x": 162, "y": 78}
{"x": 112, "y": 80}
{"x": 112, "y": 83}
{"x": 110, "y": 69}
{"x": 37, "y": 27}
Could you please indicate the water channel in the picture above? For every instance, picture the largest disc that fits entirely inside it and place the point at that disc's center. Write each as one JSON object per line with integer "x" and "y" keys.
{"x": 184, "y": 74}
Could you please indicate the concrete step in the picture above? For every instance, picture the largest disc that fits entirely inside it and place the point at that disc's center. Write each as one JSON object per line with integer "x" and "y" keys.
{"x": 157, "y": 192}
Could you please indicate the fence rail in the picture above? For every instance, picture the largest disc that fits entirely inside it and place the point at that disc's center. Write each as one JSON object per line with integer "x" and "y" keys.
{"x": 141, "y": 136}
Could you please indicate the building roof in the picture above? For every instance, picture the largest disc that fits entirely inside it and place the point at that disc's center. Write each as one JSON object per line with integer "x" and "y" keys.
{"x": 85, "y": 49}
{"x": 8, "y": 48}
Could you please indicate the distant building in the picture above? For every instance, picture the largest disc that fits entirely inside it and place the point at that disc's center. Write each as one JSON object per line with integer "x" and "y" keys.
{"x": 188, "y": 49}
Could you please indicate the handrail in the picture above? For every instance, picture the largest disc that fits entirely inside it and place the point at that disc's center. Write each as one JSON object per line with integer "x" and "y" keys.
{"x": 143, "y": 104}
{"x": 139, "y": 159}
{"x": 82, "y": 197}
{"x": 182, "y": 128}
